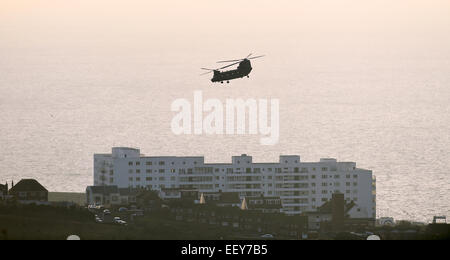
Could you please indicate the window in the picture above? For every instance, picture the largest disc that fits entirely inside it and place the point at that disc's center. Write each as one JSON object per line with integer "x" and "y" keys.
{"x": 313, "y": 176}
{"x": 138, "y": 171}
{"x": 148, "y": 163}
{"x": 148, "y": 178}
{"x": 162, "y": 171}
{"x": 138, "y": 179}
{"x": 324, "y": 169}
{"x": 138, "y": 163}
{"x": 162, "y": 163}
{"x": 130, "y": 163}
{"x": 148, "y": 171}
{"x": 324, "y": 192}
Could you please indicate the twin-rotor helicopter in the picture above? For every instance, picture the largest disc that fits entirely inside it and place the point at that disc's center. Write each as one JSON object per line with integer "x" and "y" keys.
{"x": 243, "y": 70}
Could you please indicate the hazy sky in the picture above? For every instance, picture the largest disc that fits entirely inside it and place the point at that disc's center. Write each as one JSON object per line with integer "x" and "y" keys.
{"x": 344, "y": 26}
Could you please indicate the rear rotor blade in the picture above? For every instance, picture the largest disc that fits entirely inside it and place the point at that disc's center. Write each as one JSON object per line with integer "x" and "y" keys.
{"x": 249, "y": 55}
{"x": 230, "y": 65}
{"x": 256, "y": 57}
{"x": 206, "y": 69}
{"x": 223, "y": 61}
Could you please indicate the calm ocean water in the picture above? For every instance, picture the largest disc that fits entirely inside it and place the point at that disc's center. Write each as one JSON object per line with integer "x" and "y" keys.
{"x": 69, "y": 91}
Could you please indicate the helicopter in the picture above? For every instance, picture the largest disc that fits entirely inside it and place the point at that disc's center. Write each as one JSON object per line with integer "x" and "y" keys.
{"x": 243, "y": 70}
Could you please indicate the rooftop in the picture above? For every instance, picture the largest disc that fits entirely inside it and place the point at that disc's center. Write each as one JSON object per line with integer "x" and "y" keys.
{"x": 28, "y": 185}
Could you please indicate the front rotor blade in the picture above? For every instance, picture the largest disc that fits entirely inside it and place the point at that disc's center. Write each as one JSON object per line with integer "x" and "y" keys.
{"x": 249, "y": 55}
{"x": 206, "y": 73}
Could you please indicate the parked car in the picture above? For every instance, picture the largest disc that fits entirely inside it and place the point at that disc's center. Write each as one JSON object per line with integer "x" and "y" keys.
{"x": 123, "y": 209}
{"x": 106, "y": 212}
{"x": 121, "y": 222}
{"x": 267, "y": 236}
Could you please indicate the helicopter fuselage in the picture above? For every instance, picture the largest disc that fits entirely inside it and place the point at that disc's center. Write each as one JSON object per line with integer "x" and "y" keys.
{"x": 242, "y": 70}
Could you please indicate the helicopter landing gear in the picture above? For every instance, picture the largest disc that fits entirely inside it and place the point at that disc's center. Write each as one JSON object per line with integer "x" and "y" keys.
{"x": 248, "y": 76}
{"x": 221, "y": 82}
{"x": 228, "y": 81}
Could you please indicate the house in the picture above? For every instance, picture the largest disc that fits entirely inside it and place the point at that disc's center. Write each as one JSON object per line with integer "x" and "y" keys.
{"x": 242, "y": 221}
{"x": 148, "y": 200}
{"x": 29, "y": 191}
{"x": 179, "y": 194}
{"x": 264, "y": 204}
{"x": 102, "y": 195}
{"x": 223, "y": 199}
{"x": 3, "y": 191}
{"x": 337, "y": 215}
{"x": 110, "y": 195}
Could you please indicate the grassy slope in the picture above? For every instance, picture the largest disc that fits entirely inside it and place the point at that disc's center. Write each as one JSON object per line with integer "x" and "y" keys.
{"x": 78, "y": 198}
{"x": 49, "y": 223}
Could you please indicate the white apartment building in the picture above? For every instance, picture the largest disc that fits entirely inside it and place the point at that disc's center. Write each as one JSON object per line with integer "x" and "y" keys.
{"x": 302, "y": 186}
